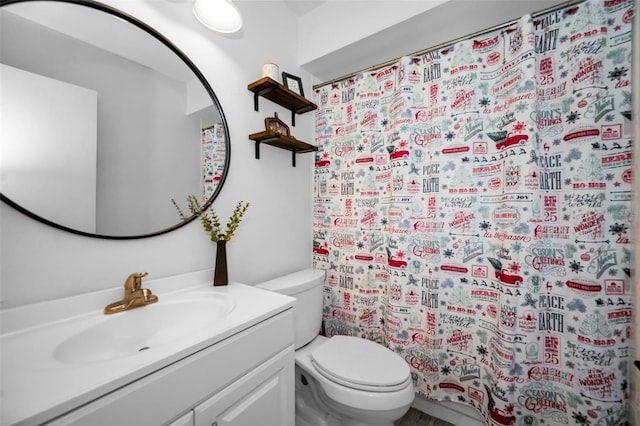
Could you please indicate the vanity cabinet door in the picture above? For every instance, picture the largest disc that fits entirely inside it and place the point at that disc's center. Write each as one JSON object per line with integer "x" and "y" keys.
{"x": 265, "y": 396}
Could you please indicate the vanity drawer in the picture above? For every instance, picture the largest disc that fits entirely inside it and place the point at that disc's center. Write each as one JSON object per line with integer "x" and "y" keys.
{"x": 170, "y": 392}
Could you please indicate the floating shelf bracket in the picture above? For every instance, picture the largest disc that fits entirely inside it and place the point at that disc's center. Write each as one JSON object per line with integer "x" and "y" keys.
{"x": 281, "y": 141}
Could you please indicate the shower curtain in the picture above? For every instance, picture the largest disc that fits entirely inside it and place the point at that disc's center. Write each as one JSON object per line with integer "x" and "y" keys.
{"x": 212, "y": 159}
{"x": 473, "y": 209}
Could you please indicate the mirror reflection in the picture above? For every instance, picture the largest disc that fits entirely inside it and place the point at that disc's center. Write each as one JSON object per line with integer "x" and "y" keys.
{"x": 103, "y": 121}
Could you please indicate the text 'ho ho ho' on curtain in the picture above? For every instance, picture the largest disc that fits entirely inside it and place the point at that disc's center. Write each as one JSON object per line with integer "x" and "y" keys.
{"x": 473, "y": 213}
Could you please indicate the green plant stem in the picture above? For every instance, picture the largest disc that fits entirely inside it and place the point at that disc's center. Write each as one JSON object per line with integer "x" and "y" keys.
{"x": 211, "y": 221}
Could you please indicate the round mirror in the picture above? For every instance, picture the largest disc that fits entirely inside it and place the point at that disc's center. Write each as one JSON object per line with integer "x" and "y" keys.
{"x": 104, "y": 122}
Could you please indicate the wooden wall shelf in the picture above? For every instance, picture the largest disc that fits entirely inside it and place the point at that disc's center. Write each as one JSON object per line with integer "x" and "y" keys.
{"x": 281, "y": 95}
{"x": 281, "y": 141}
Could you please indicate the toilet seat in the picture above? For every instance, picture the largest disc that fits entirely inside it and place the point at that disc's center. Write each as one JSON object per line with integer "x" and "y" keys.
{"x": 361, "y": 364}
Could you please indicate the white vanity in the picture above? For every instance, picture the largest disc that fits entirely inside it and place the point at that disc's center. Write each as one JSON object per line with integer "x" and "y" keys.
{"x": 201, "y": 355}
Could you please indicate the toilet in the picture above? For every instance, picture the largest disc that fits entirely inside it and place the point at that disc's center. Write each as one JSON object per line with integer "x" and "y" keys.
{"x": 342, "y": 380}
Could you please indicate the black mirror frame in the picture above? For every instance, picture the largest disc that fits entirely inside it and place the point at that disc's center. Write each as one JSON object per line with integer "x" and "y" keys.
{"x": 199, "y": 75}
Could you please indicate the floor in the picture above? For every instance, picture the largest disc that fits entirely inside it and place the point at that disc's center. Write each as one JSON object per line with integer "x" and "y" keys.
{"x": 418, "y": 418}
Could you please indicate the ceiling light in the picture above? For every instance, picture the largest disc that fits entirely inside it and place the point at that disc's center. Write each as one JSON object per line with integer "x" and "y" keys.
{"x": 218, "y": 15}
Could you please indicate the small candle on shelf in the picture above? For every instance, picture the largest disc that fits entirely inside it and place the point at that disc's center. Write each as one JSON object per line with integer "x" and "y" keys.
{"x": 271, "y": 70}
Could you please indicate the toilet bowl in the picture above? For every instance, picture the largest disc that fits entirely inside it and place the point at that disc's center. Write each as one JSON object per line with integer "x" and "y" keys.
{"x": 376, "y": 396}
{"x": 342, "y": 380}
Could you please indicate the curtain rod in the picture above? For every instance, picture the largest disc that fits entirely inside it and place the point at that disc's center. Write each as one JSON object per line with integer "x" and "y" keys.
{"x": 449, "y": 43}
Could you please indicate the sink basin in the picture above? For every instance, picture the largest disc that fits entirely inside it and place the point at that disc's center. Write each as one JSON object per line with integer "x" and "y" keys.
{"x": 145, "y": 328}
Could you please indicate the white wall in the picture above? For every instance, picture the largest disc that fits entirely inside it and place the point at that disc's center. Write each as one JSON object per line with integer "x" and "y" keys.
{"x": 352, "y": 21}
{"x": 39, "y": 263}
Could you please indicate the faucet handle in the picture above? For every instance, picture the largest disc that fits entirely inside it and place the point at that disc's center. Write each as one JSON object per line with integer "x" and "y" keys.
{"x": 134, "y": 281}
{"x": 148, "y": 296}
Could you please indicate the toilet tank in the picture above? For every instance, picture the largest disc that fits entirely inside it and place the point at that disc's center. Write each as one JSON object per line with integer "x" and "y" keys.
{"x": 307, "y": 287}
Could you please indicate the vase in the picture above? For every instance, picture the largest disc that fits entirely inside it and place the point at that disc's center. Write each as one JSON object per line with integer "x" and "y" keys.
{"x": 220, "y": 276}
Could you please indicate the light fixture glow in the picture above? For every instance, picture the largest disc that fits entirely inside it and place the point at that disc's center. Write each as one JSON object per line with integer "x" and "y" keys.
{"x": 218, "y": 15}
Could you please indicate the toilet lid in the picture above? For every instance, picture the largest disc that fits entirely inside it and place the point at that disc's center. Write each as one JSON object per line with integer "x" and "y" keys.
{"x": 361, "y": 364}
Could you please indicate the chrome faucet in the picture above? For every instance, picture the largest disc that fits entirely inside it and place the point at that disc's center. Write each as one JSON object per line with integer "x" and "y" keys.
{"x": 134, "y": 295}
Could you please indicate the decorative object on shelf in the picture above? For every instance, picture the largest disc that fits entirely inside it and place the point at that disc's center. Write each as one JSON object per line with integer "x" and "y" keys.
{"x": 277, "y": 126}
{"x": 281, "y": 141}
{"x": 211, "y": 224}
{"x": 271, "y": 70}
{"x": 292, "y": 83}
{"x": 218, "y": 15}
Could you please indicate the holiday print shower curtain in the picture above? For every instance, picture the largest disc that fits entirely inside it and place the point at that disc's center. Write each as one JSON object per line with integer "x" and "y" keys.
{"x": 473, "y": 212}
{"x": 212, "y": 160}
